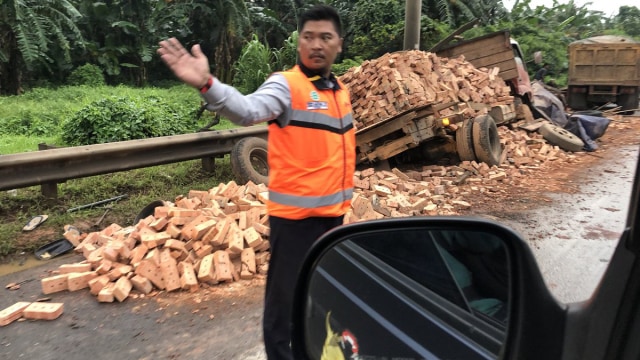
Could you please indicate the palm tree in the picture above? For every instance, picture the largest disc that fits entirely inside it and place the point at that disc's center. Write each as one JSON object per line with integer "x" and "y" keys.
{"x": 29, "y": 31}
{"x": 456, "y": 13}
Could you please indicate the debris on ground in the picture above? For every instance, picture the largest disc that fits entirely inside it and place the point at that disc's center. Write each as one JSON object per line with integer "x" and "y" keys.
{"x": 34, "y": 222}
{"x": 222, "y": 234}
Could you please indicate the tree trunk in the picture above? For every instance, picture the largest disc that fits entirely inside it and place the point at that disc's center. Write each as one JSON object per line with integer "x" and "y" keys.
{"x": 11, "y": 72}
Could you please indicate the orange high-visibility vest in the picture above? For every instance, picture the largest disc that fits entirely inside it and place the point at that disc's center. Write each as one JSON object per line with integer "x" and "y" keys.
{"x": 312, "y": 158}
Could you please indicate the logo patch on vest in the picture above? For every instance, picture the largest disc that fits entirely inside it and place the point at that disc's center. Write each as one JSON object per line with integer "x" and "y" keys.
{"x": 317, "y": 105}
{"x": 314, "y": 95}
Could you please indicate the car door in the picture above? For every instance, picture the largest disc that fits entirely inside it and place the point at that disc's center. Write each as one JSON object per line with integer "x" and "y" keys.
{"x": 361, "y": 280}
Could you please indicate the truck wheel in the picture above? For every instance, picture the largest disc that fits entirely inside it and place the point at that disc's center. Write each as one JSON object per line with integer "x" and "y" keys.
{"x": 577, "y": 100}
{"x": 628, "y": 102}
{"x": 561, "y": 137}
{"x": 486, "y": 140}
{"x": 464, "y": 142}
{"x": 249, "y": 161}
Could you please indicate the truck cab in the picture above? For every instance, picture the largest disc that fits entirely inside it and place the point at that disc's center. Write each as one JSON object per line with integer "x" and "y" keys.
{"x": 522, "y": 84}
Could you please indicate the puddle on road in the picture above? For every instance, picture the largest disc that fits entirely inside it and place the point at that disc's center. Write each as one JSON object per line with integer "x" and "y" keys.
{"x": 19, "y": 264}
{"x": 23, "y": 262}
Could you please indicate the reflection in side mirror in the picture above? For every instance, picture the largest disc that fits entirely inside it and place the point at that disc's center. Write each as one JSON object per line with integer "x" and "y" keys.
{"x": 414, "y": 293}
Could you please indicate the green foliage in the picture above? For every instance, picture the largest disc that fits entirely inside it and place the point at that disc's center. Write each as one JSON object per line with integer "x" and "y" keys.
{"x": 382, "y": 33}
{"x": 628, "y": 20}
{"x": 286, "y": 57}
{"x": 34, "y": 114}
{"x": 124, "y": 118}
{"x": 257, "y": 62}
{"x": 13, "y": 144}
{"x": 432, "y": 31}
{"x": 87, "y": 74}
{"x": 344, "y": 66}
{"x": 31, "y": 122}
{"x": 41, "y": 111}
{"x": 382, "y": 39}
{"x": 31, "y": 32}
{"x": 253, "y": 67}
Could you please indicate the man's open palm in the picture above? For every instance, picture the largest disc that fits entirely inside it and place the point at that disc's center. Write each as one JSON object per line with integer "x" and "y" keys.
{"x": 192, "y": 68}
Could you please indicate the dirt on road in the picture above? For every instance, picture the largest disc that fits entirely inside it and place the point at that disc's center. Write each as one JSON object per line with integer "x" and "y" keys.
{"x": 556, "y": 176}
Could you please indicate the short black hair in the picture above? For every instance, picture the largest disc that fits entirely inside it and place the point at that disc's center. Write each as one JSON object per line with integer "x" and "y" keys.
{"x": 321, "y": 12}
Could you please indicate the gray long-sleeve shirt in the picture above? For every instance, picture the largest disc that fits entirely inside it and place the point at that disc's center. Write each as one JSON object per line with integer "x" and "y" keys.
{"x": 269, "y": 102}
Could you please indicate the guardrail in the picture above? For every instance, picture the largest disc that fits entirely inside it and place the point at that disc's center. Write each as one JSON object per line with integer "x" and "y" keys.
{"x": 52, "y": 166}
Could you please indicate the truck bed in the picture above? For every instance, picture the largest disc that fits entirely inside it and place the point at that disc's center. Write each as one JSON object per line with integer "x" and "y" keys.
{"x": 604, "y": 64}
{"x": 491, "y": 50}
{"x": 407, "y": 130}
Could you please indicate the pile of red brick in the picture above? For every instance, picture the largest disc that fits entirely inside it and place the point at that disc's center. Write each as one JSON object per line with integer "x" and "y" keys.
{"x": 396, "y": 82}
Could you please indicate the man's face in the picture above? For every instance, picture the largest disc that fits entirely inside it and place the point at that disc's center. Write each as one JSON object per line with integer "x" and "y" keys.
{"x": 318, "y": 45}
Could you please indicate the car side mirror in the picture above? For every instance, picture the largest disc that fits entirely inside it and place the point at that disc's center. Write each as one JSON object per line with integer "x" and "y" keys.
{"x": 414, "y": 288}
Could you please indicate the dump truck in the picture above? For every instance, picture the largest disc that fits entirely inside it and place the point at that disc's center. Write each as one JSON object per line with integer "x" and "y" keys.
{"x": 425, "y": 132}
{"x": 604, "y": 69}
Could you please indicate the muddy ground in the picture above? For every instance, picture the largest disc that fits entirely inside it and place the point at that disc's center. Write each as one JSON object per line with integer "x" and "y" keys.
{"x": 223, "y": 321}
{"x": 556, "y": 176}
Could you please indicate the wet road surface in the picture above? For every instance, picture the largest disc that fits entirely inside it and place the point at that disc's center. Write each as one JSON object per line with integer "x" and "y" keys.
{"x": 574, "y": 237}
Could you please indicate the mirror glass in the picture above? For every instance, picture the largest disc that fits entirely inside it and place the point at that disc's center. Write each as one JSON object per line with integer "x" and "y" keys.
{"x": 413, "y": 293}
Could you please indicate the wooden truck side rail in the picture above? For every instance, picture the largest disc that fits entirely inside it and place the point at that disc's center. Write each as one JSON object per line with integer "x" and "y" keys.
{"x": 491, "y": 50}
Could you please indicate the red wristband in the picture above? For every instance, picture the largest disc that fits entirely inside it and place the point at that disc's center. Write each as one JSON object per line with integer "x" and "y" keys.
{"x": 207, "y": 86}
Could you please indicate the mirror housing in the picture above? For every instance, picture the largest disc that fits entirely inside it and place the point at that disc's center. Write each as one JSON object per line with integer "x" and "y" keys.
{"x": 535, "y": 317}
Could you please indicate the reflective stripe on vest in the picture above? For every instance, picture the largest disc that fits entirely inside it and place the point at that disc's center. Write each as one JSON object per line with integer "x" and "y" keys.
{"x": 312, "y": 158}
{"x": 310, "y": 202}
{"x": 320, "y": 121}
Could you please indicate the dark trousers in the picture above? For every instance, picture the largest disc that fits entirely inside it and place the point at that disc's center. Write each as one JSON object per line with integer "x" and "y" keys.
{"x": 290, "y": 240}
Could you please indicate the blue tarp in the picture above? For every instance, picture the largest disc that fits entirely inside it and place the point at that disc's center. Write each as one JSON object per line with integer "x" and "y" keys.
{"x": 588, "y": 128}
{"x": 548, "y": 105}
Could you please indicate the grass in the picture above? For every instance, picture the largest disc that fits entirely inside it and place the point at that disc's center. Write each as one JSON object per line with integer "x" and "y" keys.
{"x": 12, "y": 144}
{"x": 46, "y": 110}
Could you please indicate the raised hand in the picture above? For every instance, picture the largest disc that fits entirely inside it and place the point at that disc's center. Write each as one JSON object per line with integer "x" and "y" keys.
{"x": 191, "y": 68}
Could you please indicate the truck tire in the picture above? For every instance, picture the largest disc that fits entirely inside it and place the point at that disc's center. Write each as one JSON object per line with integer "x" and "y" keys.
{"x": 577, "y": 100}
{"x": 628, "y": 102}
{"x": 464, "y": 141}
{"x": 486, "y": 140}
{"x": 561, "y": 137}
{"x": 249, "y": 161}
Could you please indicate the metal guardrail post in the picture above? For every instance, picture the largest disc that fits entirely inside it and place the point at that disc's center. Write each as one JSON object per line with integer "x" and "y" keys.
{"x": 49, "y": 189}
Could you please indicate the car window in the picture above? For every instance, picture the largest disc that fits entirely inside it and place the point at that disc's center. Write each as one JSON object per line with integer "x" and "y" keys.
{"x": 415, "y": 255}
{"x": 410, "y": 286}
{"x": 469, "y": 269}
{"x": 479, "y": 266}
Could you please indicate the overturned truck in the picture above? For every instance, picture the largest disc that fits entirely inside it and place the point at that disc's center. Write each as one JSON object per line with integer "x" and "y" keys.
{"x": 413, "y": 103}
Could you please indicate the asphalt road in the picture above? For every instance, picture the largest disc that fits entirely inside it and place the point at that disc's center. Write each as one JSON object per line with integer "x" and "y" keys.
{"x": 574, "y": 237}
{"x": 221, "y": 322}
